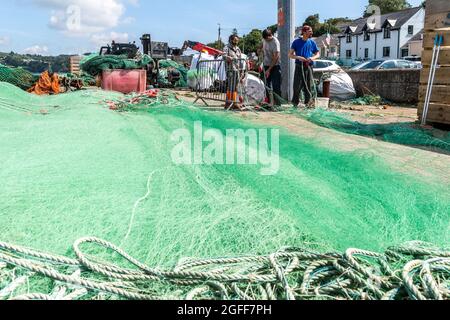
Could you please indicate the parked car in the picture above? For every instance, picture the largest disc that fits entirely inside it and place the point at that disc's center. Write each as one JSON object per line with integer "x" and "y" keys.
{"x": 359, "y": 65}
{"x": 325, "y": 66}
{"x": 387, "y": 64}
{"x": 415, "y": 59}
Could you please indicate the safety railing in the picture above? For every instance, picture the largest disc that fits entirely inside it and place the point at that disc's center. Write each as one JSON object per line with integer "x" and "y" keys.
{"x": 220, "y": 80}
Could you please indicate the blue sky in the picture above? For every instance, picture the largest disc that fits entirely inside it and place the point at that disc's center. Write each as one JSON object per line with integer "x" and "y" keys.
{"x": 41, "y": 26}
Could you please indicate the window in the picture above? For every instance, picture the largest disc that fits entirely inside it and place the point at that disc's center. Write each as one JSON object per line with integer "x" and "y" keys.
{"x": 349, "y": 54}
{"x": 349, "y": 38}
{"x": 386, "y": 51}
{"x": 405, "y": 52}
{"x": 405, "y": 65}
{"x": 366, "y": 36}
{"x": 372, "y": 65}
{"x": 389, "y": 65}
{"x": 410, "y": 30}
{"x": 320, "y": 65}
{"x": 366, "y": 53}
{"x": 333, "y": 49}
{"x": 387, "y": 33}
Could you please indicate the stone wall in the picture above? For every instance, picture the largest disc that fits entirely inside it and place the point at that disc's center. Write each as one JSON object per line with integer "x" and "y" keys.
{"x": 399, "y": 85}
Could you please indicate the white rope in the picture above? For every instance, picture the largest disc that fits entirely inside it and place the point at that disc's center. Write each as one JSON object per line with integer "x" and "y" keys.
{"x": 136, "y": 204}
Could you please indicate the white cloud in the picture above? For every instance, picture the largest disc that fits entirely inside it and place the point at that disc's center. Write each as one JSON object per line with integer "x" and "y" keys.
{"x": 37, "y": 50}
{"x": 85, "y": 17}
{"x": 4, "y": 40}
{"x": 106, "y": 38}
{"x": 134, "y": 2}
{"x": 128, "y": 20}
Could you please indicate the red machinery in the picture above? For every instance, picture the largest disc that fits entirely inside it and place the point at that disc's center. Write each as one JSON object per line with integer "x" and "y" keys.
{"x": 200, "y": 47}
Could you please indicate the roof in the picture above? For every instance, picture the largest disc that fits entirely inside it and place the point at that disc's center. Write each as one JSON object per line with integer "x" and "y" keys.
{"x": 417, "y": 37}
{"x": 334, "y": 40}
{"x": 394, "y": 19}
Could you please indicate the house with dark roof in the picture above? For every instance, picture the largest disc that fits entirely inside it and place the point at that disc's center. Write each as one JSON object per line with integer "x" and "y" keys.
{"x": 414, "y": 47}
{"x": 328, "y": 46}
{"x": 381, "y": 37}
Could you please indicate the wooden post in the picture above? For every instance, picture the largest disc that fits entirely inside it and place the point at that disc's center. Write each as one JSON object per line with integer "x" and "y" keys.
{"x": 437, "y": 21}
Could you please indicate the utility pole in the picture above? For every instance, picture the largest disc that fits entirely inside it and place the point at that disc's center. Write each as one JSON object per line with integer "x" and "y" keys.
{"x": 286, "y": 33}
{"x": 219, "y": 40}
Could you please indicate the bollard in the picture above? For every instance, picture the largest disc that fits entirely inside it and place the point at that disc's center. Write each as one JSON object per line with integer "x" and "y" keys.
{"x": 326, "y": 88}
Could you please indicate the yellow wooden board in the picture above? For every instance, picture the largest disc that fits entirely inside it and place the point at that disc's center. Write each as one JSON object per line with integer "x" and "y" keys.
{"x": 444, "y": 57}
{"x": 439, "y": 113}
{"x": 437, "y": 21}
{"x": 437, "y": 6}
{"x": 440, "y": 94}
{"x": 442, "y": 76}
{"x": 429, "y": 36}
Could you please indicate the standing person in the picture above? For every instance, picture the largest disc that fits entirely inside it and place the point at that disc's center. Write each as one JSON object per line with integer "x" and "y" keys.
{"x": 304, "y": 51}
{"x": 233, "y": 56}
{"x": 272, "y": 68}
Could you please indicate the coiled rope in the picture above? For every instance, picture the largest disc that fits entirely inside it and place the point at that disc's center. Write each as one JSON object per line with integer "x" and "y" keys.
{"x": 414, "y": 271}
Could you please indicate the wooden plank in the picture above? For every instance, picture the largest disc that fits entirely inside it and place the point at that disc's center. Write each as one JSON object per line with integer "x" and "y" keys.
{"x": 439, "y": 113}
{"x": 436, "y": 108}
{"x": 437, "y": 6}
{"x": 441, "y": 94}
{"x": 442, "y": 76}
{"x": 444, "y": 57}
{"x": 437, "y": 21}
{"x": 429, "y": 36}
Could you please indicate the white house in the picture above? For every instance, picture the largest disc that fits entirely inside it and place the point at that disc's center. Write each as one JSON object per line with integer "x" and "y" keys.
{"x": 328, "y": 45}
{"x": 414, "y": 46}
{"x": 383, "y": 38}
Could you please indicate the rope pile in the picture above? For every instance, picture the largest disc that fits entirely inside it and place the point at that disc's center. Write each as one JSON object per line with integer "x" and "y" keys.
{"x": 145, "y": 100}
{"x": 414, "y": 271}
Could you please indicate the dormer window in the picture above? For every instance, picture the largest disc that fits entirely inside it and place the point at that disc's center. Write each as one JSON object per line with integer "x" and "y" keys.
{"x": 349, "y": 38}
{"x": 387, "y": 33}
{"x": 366, "y": 36}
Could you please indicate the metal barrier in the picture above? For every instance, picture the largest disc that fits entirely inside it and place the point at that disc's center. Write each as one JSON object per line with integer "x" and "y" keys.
{"x": 219, "y": 80}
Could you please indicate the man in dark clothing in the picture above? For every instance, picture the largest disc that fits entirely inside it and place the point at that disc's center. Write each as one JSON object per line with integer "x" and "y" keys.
{"x": 304, "y": 51}
{"x": 271, "y": 50}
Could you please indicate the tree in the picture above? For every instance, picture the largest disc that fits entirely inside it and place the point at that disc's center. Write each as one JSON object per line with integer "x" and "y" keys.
{"x": 326, "y": 28}
{"x": 388, "y": 6}
{"x": 337, "y": 21}
{"x": 37, "y": 63}
{"x": 13, "y": 60}
{"x": 314, "y": 22}
{"x": 273, "y": 28}
{"x": 329, "y": 26}
{"x": 251, "y": 42}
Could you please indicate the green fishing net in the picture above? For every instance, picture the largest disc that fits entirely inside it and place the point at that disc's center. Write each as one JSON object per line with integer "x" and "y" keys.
{"x": 86, "y": 79}
{"x": 70, "y": 168}
{"x": 401, "y": 133}
{"x": 95, "y": 64}
{"x": 167, "y": 64}
{"x": 17, "y": 76}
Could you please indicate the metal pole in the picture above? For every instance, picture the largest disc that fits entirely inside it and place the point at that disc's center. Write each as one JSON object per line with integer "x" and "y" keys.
{"x": 286, "y": 33}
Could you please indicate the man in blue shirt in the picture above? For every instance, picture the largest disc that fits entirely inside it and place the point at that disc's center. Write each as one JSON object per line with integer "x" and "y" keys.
{"x": 304, "y": 51}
